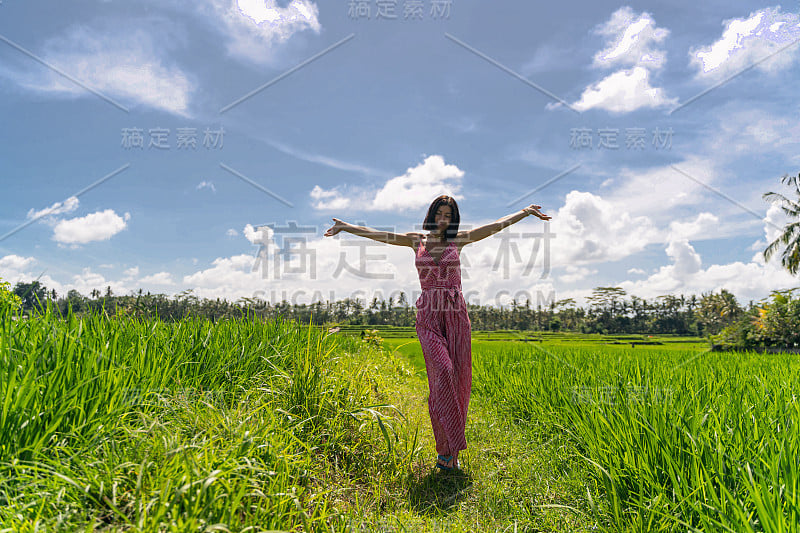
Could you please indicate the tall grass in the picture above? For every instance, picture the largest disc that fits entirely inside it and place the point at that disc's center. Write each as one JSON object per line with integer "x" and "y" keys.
{"x": 677, "y": 441}
{"x": 187, "y": 426}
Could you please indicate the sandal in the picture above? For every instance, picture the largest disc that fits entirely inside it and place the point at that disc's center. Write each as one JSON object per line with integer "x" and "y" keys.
{"x": 446, "y": 459}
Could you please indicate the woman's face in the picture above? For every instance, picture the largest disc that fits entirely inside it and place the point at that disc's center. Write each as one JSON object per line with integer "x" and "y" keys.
{"x": 442, "y": 218}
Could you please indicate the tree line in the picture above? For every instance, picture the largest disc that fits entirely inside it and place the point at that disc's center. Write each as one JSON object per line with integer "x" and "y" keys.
{"x": 608, "y": 310}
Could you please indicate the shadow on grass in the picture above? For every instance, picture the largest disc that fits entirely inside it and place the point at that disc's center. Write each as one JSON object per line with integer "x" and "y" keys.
{"x": 433, "y": 491}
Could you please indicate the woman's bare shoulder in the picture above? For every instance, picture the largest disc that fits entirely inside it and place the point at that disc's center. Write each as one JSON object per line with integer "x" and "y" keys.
{"x": 461, "y": 240}
{"x": 416, "y": 238}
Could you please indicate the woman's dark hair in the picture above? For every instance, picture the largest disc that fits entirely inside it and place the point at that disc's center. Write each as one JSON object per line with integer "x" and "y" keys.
{"x": 455, "y": 218}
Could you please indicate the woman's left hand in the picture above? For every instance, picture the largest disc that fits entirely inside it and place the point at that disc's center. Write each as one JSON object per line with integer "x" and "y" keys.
{"x": 534, "y": 210}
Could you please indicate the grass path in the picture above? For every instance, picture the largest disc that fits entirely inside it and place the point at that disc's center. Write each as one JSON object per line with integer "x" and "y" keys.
{"x": 514, "y": 478}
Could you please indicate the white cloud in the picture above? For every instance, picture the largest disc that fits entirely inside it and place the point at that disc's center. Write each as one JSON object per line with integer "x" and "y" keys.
{"x": 631, "y": 40}
{"x": 69, "y": 205}
{"x": 254, "y": 27}
{"x": 328, "y": 199}
{"x": 15, "y": 262}
{"x": 206, "y": 185}
{"x": 280, "y": 19}
{"x": 124, "y": 66}
{"x": 419, "y": 186}
{"x": 590, "y": 229}
{"x": 667, "y": 196}
{"x": 748, "y": 281}
{"x": 758, "y": 245}
{"x": 231, "y": 232}
{"x": 160, "y": 278}
{"x": 14, "y": 269}
{"x": 658, "y": 191}
{"x": 260, "y": 235}
{"x": 99, "y": 226}
{"x": 87, "y": 281}
{"x": 642, "y": 211}
{"x": 754, "y": 131}
{"x": 413, "y": 190}
{"x": 686, "y": 261}
{"x": 774, "y": 222}
{"x": 622, "y": 92}
{"x": 746, "y": 41}
{"x": 575, "y": 273}
{"x": 701, "y": 225}
{"x": 647, "y": 207}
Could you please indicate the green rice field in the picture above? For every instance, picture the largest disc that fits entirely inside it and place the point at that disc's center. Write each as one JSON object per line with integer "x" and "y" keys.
{"x": 125, "y": 424}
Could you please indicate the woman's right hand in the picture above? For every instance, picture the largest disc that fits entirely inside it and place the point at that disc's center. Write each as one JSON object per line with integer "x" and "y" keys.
{"x": 533, "y": 209}
{"x": 338, "y": 226}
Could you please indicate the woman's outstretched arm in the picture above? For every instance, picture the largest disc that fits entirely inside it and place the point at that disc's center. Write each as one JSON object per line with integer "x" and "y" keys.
{"x": 399, "y": 239}
{"x": 482, "y": 232}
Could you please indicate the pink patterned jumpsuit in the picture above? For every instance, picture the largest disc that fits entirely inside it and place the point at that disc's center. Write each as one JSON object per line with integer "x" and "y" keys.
{"x": 444, "y": 330}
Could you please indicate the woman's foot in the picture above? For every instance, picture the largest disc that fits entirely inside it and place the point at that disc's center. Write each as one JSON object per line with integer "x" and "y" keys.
{"x": 447, "y": 463}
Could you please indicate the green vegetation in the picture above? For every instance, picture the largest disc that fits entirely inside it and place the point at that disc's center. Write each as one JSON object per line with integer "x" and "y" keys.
{"x": 610, "y": 311}
{"x": 131, "y": 424}
{"x": 676, "y": 440}
{"x": 8, "y": 299}
{"x": 146, "y": 425}
{"x": 773, "y": 324}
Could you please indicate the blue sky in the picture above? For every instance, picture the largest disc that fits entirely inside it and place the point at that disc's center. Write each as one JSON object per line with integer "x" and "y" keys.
{"x": 173, "y": 145}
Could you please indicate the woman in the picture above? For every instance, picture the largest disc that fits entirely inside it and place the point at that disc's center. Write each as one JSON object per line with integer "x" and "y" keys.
{"x": 442, "y": 323}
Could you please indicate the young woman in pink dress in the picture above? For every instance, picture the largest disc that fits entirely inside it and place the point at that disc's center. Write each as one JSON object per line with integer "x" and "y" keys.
{"x": 442, "y": 323}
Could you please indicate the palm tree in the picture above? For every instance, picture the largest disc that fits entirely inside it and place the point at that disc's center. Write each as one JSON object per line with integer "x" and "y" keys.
{"x": 718, "y": 310}
{"x": 791, "y": 233}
